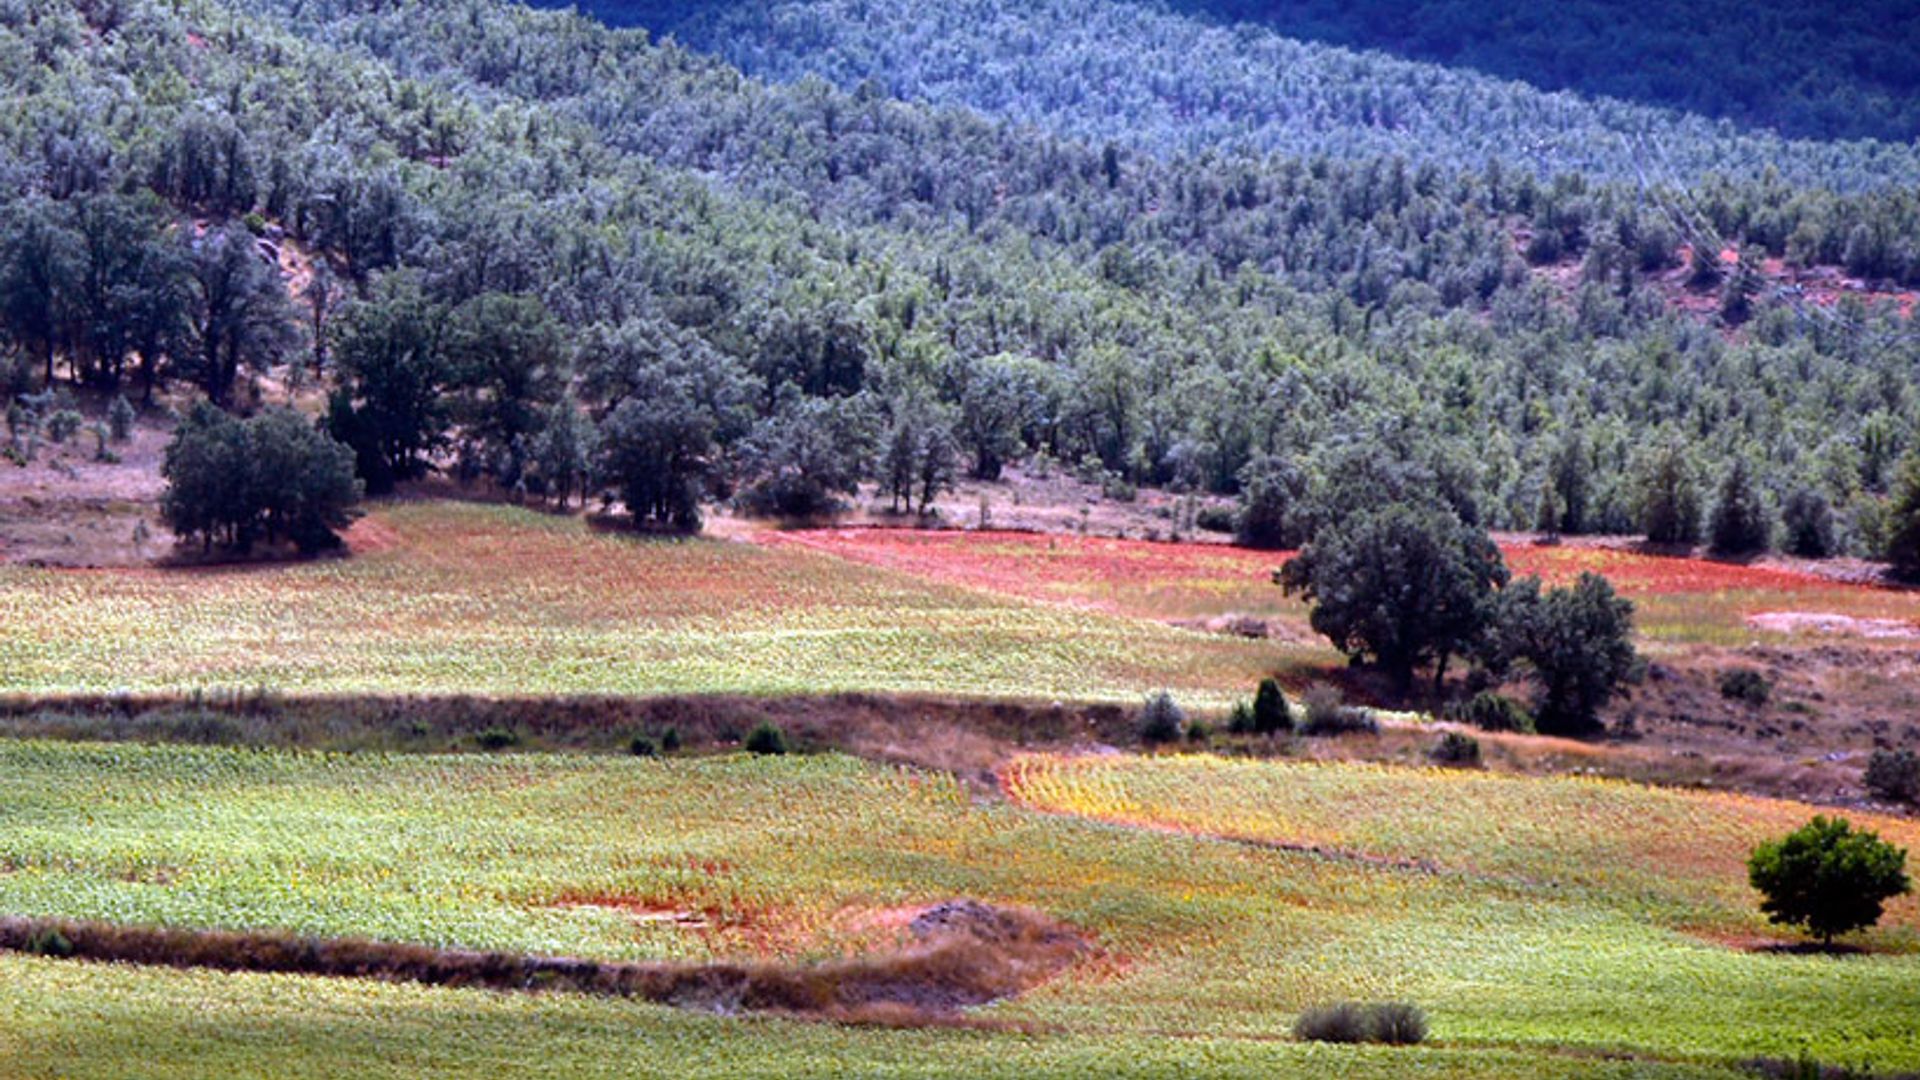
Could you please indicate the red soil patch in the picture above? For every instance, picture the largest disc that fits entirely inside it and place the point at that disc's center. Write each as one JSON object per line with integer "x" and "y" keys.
{"x": 1104, "y": 573}
{"x": 1635, "y": 572}
{"x": 1137, "y": 577}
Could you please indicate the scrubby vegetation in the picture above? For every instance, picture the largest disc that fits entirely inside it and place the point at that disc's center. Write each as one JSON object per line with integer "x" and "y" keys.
{"x": 1894, "y": 775}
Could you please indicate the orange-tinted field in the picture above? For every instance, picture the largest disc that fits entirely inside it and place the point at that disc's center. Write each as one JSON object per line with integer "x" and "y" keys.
{"x": 453, "y": 597}
{"x": 1679, "y": 599}
{"x": 1132, "y": 577}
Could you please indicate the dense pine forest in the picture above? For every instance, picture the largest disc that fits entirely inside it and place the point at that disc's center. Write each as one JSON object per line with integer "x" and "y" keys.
{"x": 559, "y": 257}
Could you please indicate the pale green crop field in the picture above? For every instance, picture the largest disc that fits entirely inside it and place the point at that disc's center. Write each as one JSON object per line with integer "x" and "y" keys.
{"x": 458, "y": 598}
{"x": 1208, "y": 947}
{"x": 69, "y": 1020}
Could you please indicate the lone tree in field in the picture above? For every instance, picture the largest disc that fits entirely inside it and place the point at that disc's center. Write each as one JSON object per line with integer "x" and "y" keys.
{"x": 1403, "y": 585}
{"x": 1827, "y": 878}
{"x": 1575, "y": 642}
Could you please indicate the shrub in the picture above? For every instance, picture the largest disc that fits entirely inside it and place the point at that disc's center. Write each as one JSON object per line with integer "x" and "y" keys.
{"x": 120, "y": 417}
{"x": 1393, "y": 1023}
{"x": 47, "y": 941}
{"x": 1397, "y": 1023}
{"x": 1214, "y": 519}
{"x": 641, "y": 746}
{"x": 1240, "y": 720}
{"x": 1343, "y": 1022}
{"x": 670, "y": 740}
{"x": 766, "y": 738}
{"x": 1199, "y": 732}
{"x": 1456, "y": 748}
{"x": 1161, "y": 720}
{"x": 1747, "y": 685}
{"x": 1827, "y": 878}
{"x": 1894, "y": 775}
{"x": 496, "y": 739}
{"x": 1327, "y": 715}
{"x": 62, "y": 425}
{"x": 1489, "y": 711}
{"x": 1270, "y": 712}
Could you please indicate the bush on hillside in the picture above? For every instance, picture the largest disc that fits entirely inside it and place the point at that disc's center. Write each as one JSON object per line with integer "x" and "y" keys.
{"x": 1161, "y": 720}
{"x": 1746, "y": 685}
{"x": 1489, "y": 711}
{"x": 1456, "y": 748}
{"x": 1271, "y": 714}
{"x": 1894, "y": 775}
{"x": 1328, "y": 714}
{"x": 766, "y": 738}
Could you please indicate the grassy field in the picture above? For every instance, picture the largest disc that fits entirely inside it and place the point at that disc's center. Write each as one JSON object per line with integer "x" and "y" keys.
{"x": 1526, "y": 959}
{"x": 446, "y": 597}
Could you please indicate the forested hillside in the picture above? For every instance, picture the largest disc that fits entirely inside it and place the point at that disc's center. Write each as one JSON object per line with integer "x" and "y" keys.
{"x": 550, "y": 250}
{"x": 1174, "y": 80}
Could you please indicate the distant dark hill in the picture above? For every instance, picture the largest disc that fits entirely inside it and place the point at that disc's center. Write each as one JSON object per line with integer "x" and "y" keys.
{"x": 1805, "y": 70}
{"x": 1812, "y": 70}
{"x": 1173, "y": 82}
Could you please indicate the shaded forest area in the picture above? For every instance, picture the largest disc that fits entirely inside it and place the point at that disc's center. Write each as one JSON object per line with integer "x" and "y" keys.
{"x": 1737, "y": 89}
{"x": 1808, "y": 70}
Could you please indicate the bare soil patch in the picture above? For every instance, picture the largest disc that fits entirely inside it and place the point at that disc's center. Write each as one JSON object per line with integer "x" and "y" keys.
{"x": 1834, "y": 624}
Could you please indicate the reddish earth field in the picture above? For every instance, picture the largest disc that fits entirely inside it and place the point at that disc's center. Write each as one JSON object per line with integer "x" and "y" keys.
{"x": 1681, "y": 599}
{"x": 1841, "y": 656}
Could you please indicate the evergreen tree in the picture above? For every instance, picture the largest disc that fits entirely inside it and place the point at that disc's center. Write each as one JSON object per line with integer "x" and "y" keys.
{"x": 1808, "y": 522}
{"x": 1740, "y": 524}
{"x": 1903, "y": 525}
{"x": 1669, "y": 499}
